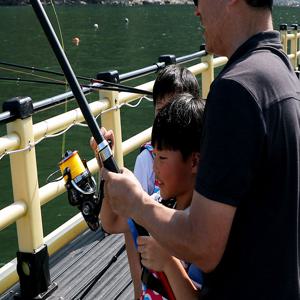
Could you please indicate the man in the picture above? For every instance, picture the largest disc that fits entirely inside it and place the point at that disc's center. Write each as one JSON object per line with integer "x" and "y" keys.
{"x": 244, "y": 216}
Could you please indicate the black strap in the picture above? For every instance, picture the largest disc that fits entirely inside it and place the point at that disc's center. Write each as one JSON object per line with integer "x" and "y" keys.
{"x": 147, "y": 277}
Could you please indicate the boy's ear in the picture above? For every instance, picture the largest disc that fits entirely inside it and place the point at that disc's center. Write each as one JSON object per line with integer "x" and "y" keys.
{"x": 195, "y": 161}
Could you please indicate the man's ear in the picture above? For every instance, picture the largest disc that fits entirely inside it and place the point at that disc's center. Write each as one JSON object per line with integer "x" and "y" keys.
{"x": 195, "y": 161}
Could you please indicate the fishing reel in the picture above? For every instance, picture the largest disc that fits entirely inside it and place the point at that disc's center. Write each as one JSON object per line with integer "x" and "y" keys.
{"x": 81, "y": 187}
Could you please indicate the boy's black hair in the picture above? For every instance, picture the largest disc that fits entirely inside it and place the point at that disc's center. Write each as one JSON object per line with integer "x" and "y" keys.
{"x": 178, "y": 126}
{"x": 260, "y": 3}
{"x": 174, "y": 79}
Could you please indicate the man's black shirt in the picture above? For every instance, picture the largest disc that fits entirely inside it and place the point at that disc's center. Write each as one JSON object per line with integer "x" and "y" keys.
{"x": 250, "y": 159}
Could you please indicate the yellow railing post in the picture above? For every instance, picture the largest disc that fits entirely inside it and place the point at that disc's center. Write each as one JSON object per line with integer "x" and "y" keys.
{"x": 26, "y": 187}
{"x": 112, "y": 118}
{"x": 283, "y": 37}
{"x": 298, "y": 48}
{"x": 33, "y": 258}
{"x": 294, "y": 46}
{"x": 208, "y": 75}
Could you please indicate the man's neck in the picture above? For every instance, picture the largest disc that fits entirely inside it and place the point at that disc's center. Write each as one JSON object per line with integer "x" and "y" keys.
{"x": 254, "y": 21}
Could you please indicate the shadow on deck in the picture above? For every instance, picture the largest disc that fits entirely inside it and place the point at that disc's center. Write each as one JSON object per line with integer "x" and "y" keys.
{"x": 77, "y": 264}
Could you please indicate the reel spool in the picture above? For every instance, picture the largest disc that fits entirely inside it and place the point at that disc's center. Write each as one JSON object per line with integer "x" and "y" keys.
{"x": 81, "y": 187}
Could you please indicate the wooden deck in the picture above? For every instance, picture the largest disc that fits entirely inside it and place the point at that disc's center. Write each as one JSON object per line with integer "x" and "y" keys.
{"x": 76, "y": 266}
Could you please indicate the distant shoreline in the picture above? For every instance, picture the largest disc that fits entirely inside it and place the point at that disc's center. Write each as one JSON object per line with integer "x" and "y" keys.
{"x": 100, "y": 2}
{"x": 288, "y": 3}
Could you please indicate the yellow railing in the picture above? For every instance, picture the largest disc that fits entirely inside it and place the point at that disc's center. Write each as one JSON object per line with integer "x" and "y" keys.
{"x": 25, "y": 210}
{"x": 290, "y": 37}
{"x": 29, "y": 196}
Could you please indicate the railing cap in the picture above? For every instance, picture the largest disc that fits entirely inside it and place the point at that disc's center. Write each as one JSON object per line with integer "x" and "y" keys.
{"x": 110, "y": 76}
{"x": 283, "y": 26}
{"x": 20, "y": 107}
{"x": 168, "y": 59}
{"x": 294, "y": 26}
{"x": 202, "y": 47}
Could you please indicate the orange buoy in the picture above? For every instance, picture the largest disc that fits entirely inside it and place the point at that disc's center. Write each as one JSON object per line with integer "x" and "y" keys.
{"x": 76, "y": 41}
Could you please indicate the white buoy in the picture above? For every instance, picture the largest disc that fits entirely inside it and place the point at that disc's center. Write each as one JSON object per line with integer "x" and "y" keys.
{"x": 96, "y": 26}
{"x": 126, "y": 20}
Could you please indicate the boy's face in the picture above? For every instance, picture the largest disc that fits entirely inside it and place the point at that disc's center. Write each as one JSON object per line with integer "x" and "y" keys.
{"x": 175, "y": 176}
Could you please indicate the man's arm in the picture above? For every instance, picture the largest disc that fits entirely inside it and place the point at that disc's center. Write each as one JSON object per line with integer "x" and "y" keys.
{"x": 198, "y": 236}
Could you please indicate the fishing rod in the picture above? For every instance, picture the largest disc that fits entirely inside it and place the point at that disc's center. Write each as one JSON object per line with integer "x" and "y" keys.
{"x": 103, "y": 148}
{"x": 86, "y": 289}
{"x": 92, "y": 80}
{"x": 102, "y": 145}
{"x": 96, "y": 86}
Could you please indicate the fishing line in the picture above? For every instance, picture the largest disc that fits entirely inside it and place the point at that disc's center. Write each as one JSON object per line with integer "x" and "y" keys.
{"x": 123, "y": 88}
{"x": 118, "y": 88}
{"x": 34, "y": 69}
{"x": 30, "y": 74}
{"x": 18, "y": 79}
{"x": 63, "y": 144}
{"x": 49, "y": 178}
{"x": 58, "y": 24}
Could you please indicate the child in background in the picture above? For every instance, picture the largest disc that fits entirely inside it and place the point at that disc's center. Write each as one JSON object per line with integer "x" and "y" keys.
{"x": 171, "y": 80}
{"x": 176, "y": 133}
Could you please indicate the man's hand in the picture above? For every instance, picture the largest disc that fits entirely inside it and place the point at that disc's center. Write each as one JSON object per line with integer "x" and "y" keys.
{"x": 125, "y": 192}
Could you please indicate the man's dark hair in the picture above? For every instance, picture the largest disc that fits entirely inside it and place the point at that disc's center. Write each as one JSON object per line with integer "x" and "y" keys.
{"x": 174, "y": 79}
{"x": 260, "y": 3}
{"x": 178, "y": 125}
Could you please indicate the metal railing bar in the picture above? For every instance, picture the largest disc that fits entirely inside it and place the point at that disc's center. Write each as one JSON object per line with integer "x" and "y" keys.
{"x": 44, "y": 104}
{"x": 141, "y": 72}
{"x": 56, "y": 100}
{"x": 190, "y": 57}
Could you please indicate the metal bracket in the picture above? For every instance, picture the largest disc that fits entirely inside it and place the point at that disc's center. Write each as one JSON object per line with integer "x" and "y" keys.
{"x": 34, "y": 275}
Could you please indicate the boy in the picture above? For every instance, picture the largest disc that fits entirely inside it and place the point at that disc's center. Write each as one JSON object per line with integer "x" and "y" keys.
{"x": 175, "y": 164}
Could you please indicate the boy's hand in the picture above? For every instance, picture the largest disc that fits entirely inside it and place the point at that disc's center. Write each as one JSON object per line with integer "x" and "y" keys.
{"x": 153, "y": 256}
{"x": 109, "y": 136}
